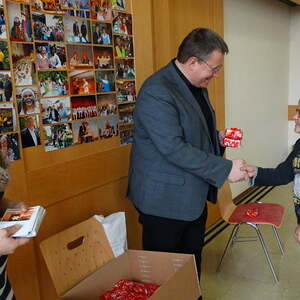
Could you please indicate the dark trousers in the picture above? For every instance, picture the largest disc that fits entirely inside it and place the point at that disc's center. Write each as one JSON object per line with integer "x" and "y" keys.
{"x": 169, "y": 235}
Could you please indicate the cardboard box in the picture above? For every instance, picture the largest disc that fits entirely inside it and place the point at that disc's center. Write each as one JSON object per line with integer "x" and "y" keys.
{"x": 82, "y": 266}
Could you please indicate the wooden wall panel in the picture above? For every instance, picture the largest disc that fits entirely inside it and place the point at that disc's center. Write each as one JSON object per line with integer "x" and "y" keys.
{"x": 291, "y": 112}
{"x": 75, "y": 183}
{"x": 61, "y": 181}
{"x": 23, "y": 273}
{"x": 143, "y": 39}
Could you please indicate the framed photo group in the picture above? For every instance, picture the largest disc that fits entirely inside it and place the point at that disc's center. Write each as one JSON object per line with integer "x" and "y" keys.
{"x": 67, "y": 73}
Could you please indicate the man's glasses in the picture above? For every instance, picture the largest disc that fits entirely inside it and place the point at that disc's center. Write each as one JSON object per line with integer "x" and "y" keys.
{"x": 213, "y": 69}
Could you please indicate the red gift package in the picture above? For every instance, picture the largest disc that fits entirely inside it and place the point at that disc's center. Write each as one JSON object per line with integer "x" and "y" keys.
{"x": 233, "y": 137}
{"x": 129, "y": 290}
{"x": 252, "y": 212}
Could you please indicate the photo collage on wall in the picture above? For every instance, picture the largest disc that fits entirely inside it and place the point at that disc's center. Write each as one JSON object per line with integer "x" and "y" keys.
{"x": 67, "y": 73}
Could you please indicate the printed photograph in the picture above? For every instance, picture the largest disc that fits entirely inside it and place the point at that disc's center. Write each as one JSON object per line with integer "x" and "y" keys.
{"x": 50, "y": 56}
{"x": 85, "y": 132}
{"x": 82, "y": 82}
{"x": 19, "y": 22}
{"x": 27, "y": 99}
{"x": 122, "y": 23}
{"x": 17, "y": 215}
{"x": 4, "y": 56}
{"x": 6, "y": 89}
{"x": 7, "y": 118}
{"x": 56, "y": 110}
{"x": 126, "y": 113}
{"x": 9, "y": 146}
{"x": 80, "y": 57}
{"x": 77, "y": 31}
{"x": 47, "y": 5}
{"x": 77, "y": 8}
{"x": 105, "y": 81}
{"x": 2, "y": 25}
{"x": 101, "y": 10}
{"x": 107, "y": 105}
{"x": 37, "y": 5}
{"x": 103, "y": 58}
{"x": 102, "y": 33}
{"x": 108, "y": 127}
{"x": 125, "y": 69}
{"x": 30, "y": 131}
{"x": 48, "y": 27}
{"x": 58, "y": 136}
{"x": 53, "y": 83}
{"x": 23, "y": 64}
{"x": 83, "y": 107}
{"x": 118, "y": 4}
{"x": 126, "y": 91}
{"x": 126, "y": 136}
{"x": 123, "y": 46}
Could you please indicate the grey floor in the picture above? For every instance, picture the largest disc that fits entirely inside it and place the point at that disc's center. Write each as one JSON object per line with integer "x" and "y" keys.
{"x": 245, "y": 274}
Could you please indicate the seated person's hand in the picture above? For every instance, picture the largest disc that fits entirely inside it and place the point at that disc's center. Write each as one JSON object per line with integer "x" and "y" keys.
{"x": 8, "y": 244}
{"x": 297, "y": 233}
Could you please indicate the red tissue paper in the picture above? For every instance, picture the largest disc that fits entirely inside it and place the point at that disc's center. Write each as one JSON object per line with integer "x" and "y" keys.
{"x": 129, "y": 290}
{"x": 233, "y": 137}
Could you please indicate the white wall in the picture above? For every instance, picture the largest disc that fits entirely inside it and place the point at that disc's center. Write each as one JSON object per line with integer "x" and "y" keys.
{"x": 257, "y": 79}
{"x": 294, "y": 82}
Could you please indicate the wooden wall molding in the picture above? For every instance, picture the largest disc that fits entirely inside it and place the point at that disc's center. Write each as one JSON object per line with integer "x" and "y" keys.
{"x": 291, "y": 112}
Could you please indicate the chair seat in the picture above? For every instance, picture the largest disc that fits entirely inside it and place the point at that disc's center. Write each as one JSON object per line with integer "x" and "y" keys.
{"x": 269, "y": 213}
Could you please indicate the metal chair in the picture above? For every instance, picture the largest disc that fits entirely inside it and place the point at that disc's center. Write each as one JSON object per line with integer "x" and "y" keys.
{"x": 269, "y": 214}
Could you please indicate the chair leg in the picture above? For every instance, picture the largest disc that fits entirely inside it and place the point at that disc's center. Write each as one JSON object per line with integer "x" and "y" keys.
{"x": 278, "y": 239}
{"x": 229, "y": 243}
{"x": 265, "y": 251}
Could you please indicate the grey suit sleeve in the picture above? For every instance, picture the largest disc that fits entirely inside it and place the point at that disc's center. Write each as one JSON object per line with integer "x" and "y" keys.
{"x": 160, "y": 119}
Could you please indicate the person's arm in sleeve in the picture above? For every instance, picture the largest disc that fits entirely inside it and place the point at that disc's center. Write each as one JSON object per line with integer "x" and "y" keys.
{"x": 282, "y": 174}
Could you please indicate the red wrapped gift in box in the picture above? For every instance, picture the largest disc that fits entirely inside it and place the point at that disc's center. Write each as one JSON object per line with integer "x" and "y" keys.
{"x": 130, "y": 290}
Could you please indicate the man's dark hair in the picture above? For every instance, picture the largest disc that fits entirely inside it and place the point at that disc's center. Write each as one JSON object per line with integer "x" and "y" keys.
{"x": 200, "y": 43}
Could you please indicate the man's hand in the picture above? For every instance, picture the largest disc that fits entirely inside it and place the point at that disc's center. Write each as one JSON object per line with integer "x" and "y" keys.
{"x": 8, "y": 244}
{"x": 221, "y": 137}
{"x": 297, "y": 233}
{"x": 251, "y": 170}
{"x": 237, "y": 173}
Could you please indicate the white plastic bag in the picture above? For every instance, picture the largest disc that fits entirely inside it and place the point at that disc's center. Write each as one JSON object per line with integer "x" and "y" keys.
{"x": 115, "y": 229}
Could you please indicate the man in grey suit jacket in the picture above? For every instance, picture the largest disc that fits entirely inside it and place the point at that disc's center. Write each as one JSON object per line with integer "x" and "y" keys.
{"x": 176, "y": 162}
